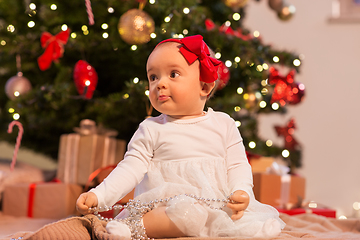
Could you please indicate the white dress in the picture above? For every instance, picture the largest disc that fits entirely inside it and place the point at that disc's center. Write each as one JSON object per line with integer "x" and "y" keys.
{"x": 202, "y": 156}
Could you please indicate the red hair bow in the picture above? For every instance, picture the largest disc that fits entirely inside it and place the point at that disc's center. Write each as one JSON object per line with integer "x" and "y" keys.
{"x": 195, "y": 48}
{"x": 54, "y": 48}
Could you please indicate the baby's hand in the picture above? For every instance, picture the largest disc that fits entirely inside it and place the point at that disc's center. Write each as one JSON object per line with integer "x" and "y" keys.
{"x": 86, "y": 201}
{"x": 240, "y": 201}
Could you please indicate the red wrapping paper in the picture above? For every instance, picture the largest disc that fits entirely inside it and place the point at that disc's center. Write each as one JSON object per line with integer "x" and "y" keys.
{"x": 326, "y": 212}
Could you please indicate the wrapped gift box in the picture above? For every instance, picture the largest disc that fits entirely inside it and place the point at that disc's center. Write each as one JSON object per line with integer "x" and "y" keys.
{"x": 278, "y": 191}
{"x": 261, "y": 164}
{"x": 326, "y": 212}
{"x": 41, "y": 200}
{"x": 89, "y": 149}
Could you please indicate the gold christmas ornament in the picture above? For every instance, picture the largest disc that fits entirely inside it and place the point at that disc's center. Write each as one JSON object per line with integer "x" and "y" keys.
{"x": 135, "y": 26}
{"x": 287, "y": 12}
{"x": 17, "y": 86}
{"x": 276, "y": 5}
{"x": 235, "y": 4}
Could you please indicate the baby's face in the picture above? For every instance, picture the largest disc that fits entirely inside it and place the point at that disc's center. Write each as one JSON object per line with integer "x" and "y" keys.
{"x": 174, "y": 85}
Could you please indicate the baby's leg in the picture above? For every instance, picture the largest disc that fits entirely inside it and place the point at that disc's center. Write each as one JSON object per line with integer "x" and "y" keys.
{"x": 159, "y": 225}
{"x": 156, "y": 223}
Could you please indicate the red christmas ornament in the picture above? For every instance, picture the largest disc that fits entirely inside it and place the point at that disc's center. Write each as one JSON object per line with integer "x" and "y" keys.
{"x": 224, "y": 76}
{"x": 54, "y": 48}
{"x": 287, "y": 132}
{"x": 286, "y": 89}
{"x": 85, "y": 78}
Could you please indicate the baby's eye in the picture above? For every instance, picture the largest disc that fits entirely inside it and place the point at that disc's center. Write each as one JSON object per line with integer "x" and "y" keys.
{"x": 152, "y": 78}
{"x": 174, "y": 74}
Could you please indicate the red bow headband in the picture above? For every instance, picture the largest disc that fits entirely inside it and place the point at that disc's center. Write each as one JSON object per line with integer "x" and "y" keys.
{"x": 195, "y": 48}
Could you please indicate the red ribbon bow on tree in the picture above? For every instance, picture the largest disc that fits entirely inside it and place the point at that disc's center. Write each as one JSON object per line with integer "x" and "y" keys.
{"x": 286, "y": 90}
{"x": 195, "y": 48}
{"x": 54, "y": 48}
{"x": 287, "y": 132}
{"x": 210, "y": 25}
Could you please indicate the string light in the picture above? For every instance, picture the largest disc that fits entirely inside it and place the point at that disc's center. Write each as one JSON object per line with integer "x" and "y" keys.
{"x": 236, "y": 16}
{"x": 16, "y": 116}
{"x": 64, "y": 27}
{"x": 53, "y": 7}
{"x": 32, "y": 6}
{"x": 105, "y": 35}
{"x": 152, "y": 1}
{"x": 227, "y": 23}
{"x": 252, "y": 144}
{"x": 147, "y": 92}
{"x": 269, "y": 143}
{"x": 228, "y": 63}
{"x": 11, "y": 28}
{"x": 110, "y": 10}
{"x": 264, "y": 91}
{"x": 342, "y": 217}
{"x": 186, "y": 10}
{"x": 275, "y": 106}
{"x": 126, "y": 96}
{"x": 218, "y": 55}
{"x": 240, "y": 90}
{"x": 3, "y": 42}
{"x": 237, "y": 59}
{"x": 276, "y": 59}
{"x": 264, "y": 82}
{"x": 265, "y": 66}
{"x": 167, "y": 19}
{"x": 259, "y": 68}
{"x": 31, "y": 24}
{"x": 185, "y": 32}
{"x": 296, "y": 62}
{"x": 356, "y": 206}
{"x": 16, "y": 93}
{"x": 134, "y": 47}
{"x": 11, "y": 110}
{"x": 136, "y": 80}
{"x": 73, "y": 35}
{"x": 237, "y": 109}
{"x": 153, "y": 35}
{"x": 262, "y": 104}
{"x": 237, "y": 123}
{"x": 104, "y": 26}
{"x": 256, "y": 34}
{"x": 285, "y": 153}
{"x": 250, "y": 63}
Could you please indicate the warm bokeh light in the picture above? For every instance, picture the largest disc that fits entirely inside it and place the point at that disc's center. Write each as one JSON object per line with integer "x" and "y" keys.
{"x": 285, "y": 153}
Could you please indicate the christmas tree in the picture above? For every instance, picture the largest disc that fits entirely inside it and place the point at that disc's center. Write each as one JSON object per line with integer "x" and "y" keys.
{"x": 71, "y": 60}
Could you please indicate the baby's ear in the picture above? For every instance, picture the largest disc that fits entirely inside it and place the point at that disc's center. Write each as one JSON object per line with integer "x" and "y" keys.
{"x": 206, "y": 88}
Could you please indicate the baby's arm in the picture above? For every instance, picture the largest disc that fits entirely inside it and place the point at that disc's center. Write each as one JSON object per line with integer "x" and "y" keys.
{"x": 239, "y": 202}
{"x": 86, "y": 201}
{"x": 239, "y": 174}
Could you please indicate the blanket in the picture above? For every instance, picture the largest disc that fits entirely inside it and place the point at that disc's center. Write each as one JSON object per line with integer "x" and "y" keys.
{"x": 299, "y": 226}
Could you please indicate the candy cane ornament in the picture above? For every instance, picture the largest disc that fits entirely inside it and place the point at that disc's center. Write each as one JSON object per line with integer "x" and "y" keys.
{"x": 18, "y": 141}
{"x": 89, "y": 12}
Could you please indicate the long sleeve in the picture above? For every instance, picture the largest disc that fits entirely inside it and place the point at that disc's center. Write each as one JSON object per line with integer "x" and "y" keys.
{"x": 129, "y": 172}
{"x": 238, "y": 167}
